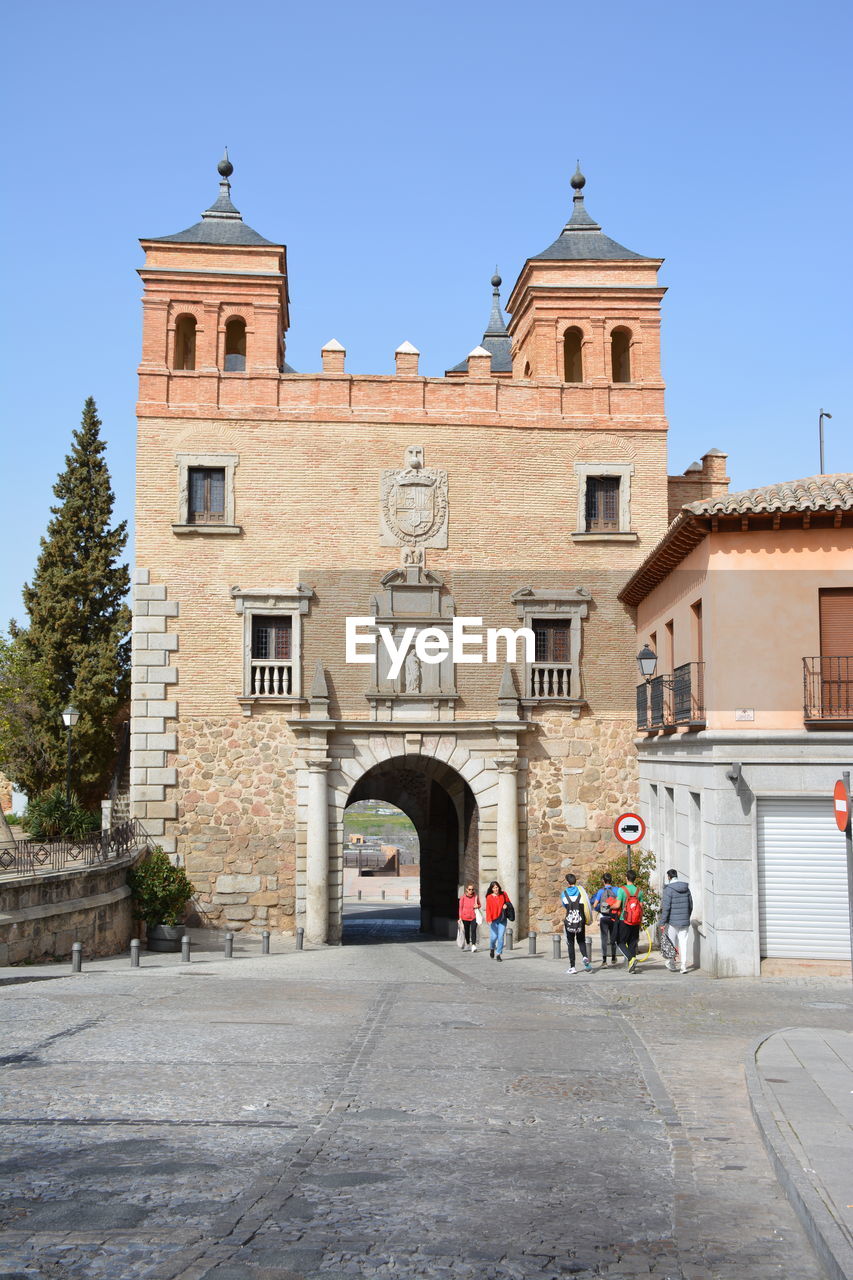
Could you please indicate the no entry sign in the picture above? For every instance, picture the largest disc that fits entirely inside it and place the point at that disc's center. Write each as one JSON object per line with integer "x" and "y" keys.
{"x": 841, "y": 801}
{"x": 629, "y": 828}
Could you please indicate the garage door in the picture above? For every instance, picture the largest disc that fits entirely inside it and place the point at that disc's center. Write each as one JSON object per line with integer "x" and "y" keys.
{"x": 802, "y": 881}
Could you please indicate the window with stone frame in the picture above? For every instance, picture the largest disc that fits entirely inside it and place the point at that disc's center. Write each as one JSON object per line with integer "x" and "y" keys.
{"x": 272, "y": 642}
{"x": 555, "y": 616}
{"x": 602, "y": 504}
{"x": 552, "y": 639}
{"x": 272, "y": 656}
{"x": 206, "y": 495}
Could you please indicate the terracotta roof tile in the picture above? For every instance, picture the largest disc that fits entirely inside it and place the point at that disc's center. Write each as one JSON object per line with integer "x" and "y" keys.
{"x": 816, "y": 493}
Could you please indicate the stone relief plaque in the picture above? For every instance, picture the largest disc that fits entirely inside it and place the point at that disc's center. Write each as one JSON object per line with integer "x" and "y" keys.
{"x": 413, "y": 504}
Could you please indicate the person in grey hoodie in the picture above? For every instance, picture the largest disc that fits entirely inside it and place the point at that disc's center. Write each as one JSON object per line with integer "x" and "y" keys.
{"x": 676, "y": 910}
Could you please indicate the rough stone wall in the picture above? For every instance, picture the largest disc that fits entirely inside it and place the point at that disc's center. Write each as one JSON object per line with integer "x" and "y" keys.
{"x": 235, "y": 825}
{"x": 41, "y": 916}
{"x": 582, "y": 774}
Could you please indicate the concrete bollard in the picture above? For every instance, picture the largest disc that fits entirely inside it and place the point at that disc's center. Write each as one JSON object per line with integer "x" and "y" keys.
{"x": 383, "y": 895}
{"x": 229, "y": 945}
{"x": 265, "y": 942}
{"x": 405, "y": 895}
{"x": 77, "y": 957}
{"x": 555, "y": 946}
{"x": 185, "y": 949}
{"x": 134, "y": 953}
{"x": 359, "y": 895}
{"x": 508, "y": 940}
{"x": 300, "y": 939}
{"x": 531, "y": 944}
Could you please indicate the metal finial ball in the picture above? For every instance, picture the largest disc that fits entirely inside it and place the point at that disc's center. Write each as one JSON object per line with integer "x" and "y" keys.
{"x": 578, "y": 180}
{"x": 496, "y": 281}
{"x": 225, "y": 167}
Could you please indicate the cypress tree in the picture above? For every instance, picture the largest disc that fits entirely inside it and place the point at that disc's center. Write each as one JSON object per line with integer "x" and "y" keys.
{"x": 76, "y": 647}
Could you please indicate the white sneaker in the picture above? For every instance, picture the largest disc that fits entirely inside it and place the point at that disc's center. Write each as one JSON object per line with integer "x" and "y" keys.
{"x": 572, "y": 970}
{"x": 683, "y": 970}
{"x": 473, "y": 948}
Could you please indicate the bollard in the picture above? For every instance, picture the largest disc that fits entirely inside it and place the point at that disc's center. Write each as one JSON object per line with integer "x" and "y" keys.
{"x": 406, "y": 895}
{"x": 185, "y": 949}
{"x": 508, "y": 940}
{"x": 531, "y": 944}
{"x": 555, "y": 945}
{"x": 265, "y": 942}
{"x": 229, "y": 945}
{"x": 383, "y": 895}
{"x": 359, "y": 895}
{"x": 76, "y": 957}
{"x": 134, "y": 953}
{"x": 300, "y": 938}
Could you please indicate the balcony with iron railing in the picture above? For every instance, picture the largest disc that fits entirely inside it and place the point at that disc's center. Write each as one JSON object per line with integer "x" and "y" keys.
{"x": 828, "y": 690}
{"x": 667, "y": 702}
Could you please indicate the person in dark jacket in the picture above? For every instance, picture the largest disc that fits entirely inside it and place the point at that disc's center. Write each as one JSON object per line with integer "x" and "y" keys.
{"x": 676, "y": 910}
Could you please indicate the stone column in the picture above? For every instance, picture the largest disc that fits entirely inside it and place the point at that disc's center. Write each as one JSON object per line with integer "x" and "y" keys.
{"x": 507, "y": 834}
{"x": 317, "y": 868}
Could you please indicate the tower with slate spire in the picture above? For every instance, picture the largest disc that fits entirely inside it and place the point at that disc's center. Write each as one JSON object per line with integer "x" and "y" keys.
{"x": 215, "y": 310}
{"x": 586, "y": 314}
{"x": 495, "y": 340}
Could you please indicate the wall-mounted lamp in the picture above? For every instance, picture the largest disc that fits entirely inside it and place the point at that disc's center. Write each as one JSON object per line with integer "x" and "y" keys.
{"x": 734, "y": 772}
{"x": 647, "y": 661}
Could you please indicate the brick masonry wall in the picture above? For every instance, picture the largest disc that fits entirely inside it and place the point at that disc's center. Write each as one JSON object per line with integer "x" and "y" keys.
{"x": 41, "y": 916}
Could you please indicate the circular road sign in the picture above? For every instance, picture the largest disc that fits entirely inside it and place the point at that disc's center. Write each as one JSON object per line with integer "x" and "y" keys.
{"x": 629, "y": 828}
{"x": 842, "y": 806}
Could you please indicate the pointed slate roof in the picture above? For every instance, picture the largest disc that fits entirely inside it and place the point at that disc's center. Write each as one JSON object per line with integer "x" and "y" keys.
{"x": 496, "y": 339}
{"x": 222, "y": 223}
{"x": 582, "y": 238}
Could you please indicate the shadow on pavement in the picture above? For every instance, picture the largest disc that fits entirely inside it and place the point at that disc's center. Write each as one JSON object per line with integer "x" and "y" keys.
{"x": 367, "y": 923}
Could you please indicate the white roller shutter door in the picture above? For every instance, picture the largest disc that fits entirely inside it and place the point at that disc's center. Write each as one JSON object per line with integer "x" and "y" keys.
{"x": 802, "y": 881}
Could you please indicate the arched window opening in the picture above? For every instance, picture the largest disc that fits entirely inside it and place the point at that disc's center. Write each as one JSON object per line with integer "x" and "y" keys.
{"x": 573, "y": 355}
{"x": 620, "y": 354}
{"x": 235, "y": 345}
{"x": 185, "y": 342}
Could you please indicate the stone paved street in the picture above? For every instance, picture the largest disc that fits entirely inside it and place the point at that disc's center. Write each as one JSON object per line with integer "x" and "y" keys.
{"x": 392, "y": 1110}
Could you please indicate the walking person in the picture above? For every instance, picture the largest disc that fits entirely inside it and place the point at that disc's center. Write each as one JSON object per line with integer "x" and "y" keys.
{"x": 575, "y": 900}
{"x": 470, "y": 914}
{"x": 630, "y": 921}
{"x": 606, "y": 903}
{"x": 676, "y": 910}
{"x": 496, "y": 917}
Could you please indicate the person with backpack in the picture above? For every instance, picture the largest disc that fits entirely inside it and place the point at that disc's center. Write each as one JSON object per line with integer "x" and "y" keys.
{"x": 607, "y": 904}
{"x": 675, "y": 913}
{"x": 630, "y": 922}
{"x": 575, "y": 901}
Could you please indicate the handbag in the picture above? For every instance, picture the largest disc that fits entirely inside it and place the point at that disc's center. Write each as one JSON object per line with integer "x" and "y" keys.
{"x": 460, "y": 934}
{"x": 668, "y": 948}
{"x": 478, "y": 916}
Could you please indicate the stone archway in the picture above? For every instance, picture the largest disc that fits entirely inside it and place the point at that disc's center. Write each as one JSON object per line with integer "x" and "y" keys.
{"x": 444, "y": 811}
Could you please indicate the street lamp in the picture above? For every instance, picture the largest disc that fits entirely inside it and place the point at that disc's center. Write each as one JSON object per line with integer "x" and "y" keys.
{"x": 823, "y": 414}
{"x": 69, "y": 718}
{"x": 647, "y": 661}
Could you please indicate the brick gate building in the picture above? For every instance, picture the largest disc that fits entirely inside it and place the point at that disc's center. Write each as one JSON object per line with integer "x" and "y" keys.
{"x": 522, "y": 489}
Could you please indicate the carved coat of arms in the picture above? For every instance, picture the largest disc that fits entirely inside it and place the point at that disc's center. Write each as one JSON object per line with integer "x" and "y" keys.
{"x": 414, "y": 503}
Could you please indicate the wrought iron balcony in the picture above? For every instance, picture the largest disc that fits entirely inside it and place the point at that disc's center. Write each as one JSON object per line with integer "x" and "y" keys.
{"x": 828, "y": 688}
{"x": 666, "y": 701}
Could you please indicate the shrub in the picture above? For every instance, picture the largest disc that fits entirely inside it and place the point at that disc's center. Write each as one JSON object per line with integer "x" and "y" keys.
{"x": 642, "y": 868}
{"x": 52, "y": 817}
{"x": 159, "y": 890}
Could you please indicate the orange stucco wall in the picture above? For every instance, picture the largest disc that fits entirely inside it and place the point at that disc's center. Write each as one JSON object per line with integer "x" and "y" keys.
{"x": 759, "y": 593}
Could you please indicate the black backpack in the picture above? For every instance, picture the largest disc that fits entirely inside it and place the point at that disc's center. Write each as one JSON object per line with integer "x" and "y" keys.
{"x": 575, "y": 918}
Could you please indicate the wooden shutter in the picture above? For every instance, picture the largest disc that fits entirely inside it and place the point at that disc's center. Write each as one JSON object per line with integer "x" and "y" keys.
{"x": 836, "y": 622}
{"x": 552, "y": 640}
{"x": 602, "y": 503}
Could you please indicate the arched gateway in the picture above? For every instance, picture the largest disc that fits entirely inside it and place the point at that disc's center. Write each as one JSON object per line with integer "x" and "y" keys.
{"x": 461, "y": 797}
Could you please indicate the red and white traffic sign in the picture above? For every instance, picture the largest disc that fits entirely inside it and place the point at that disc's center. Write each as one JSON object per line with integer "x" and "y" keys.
{"x": 842, "y": 806}
{"x": 629, "y": 828}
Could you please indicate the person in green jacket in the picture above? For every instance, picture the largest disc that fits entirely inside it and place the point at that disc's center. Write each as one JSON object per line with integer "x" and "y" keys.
{"x": 630, "y": 921}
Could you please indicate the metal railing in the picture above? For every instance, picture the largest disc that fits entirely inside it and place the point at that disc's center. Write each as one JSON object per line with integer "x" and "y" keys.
{"x": 29, "y": 857}
{"x": 551, "y": 680}
{"x": 678, "y": 699}
{"x": 828, "y": 688}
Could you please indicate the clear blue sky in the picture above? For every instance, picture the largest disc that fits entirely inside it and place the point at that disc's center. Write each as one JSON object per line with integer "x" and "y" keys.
{"x": 400, "y": 151}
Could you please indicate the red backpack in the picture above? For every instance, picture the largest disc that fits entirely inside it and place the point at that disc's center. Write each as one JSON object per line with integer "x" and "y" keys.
{"x": 633, "y": 910}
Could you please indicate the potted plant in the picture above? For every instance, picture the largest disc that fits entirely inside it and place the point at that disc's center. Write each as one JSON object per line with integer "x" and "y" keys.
{"x": 160, "y": 893}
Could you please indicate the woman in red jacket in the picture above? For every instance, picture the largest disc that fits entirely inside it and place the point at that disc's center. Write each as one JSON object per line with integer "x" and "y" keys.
{"x": 496, "y": 901}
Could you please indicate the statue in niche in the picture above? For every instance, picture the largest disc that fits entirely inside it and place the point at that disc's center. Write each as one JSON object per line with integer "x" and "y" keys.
{"x": 412, "y": 673}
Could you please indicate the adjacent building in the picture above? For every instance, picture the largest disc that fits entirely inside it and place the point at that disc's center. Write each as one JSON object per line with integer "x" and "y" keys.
{"x": 747, "y": 724}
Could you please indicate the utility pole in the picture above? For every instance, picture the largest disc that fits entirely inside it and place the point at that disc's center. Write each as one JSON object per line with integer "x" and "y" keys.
{"x": 823, "y": 414}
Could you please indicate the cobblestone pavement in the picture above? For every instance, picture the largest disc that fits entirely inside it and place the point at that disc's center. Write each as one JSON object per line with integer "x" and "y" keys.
{"x": 392, "y": 1111}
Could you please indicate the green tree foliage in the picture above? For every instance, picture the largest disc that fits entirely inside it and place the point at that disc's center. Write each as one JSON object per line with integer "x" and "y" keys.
{"x": 76, "y": 646}
{"x": 642, "y": 869}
